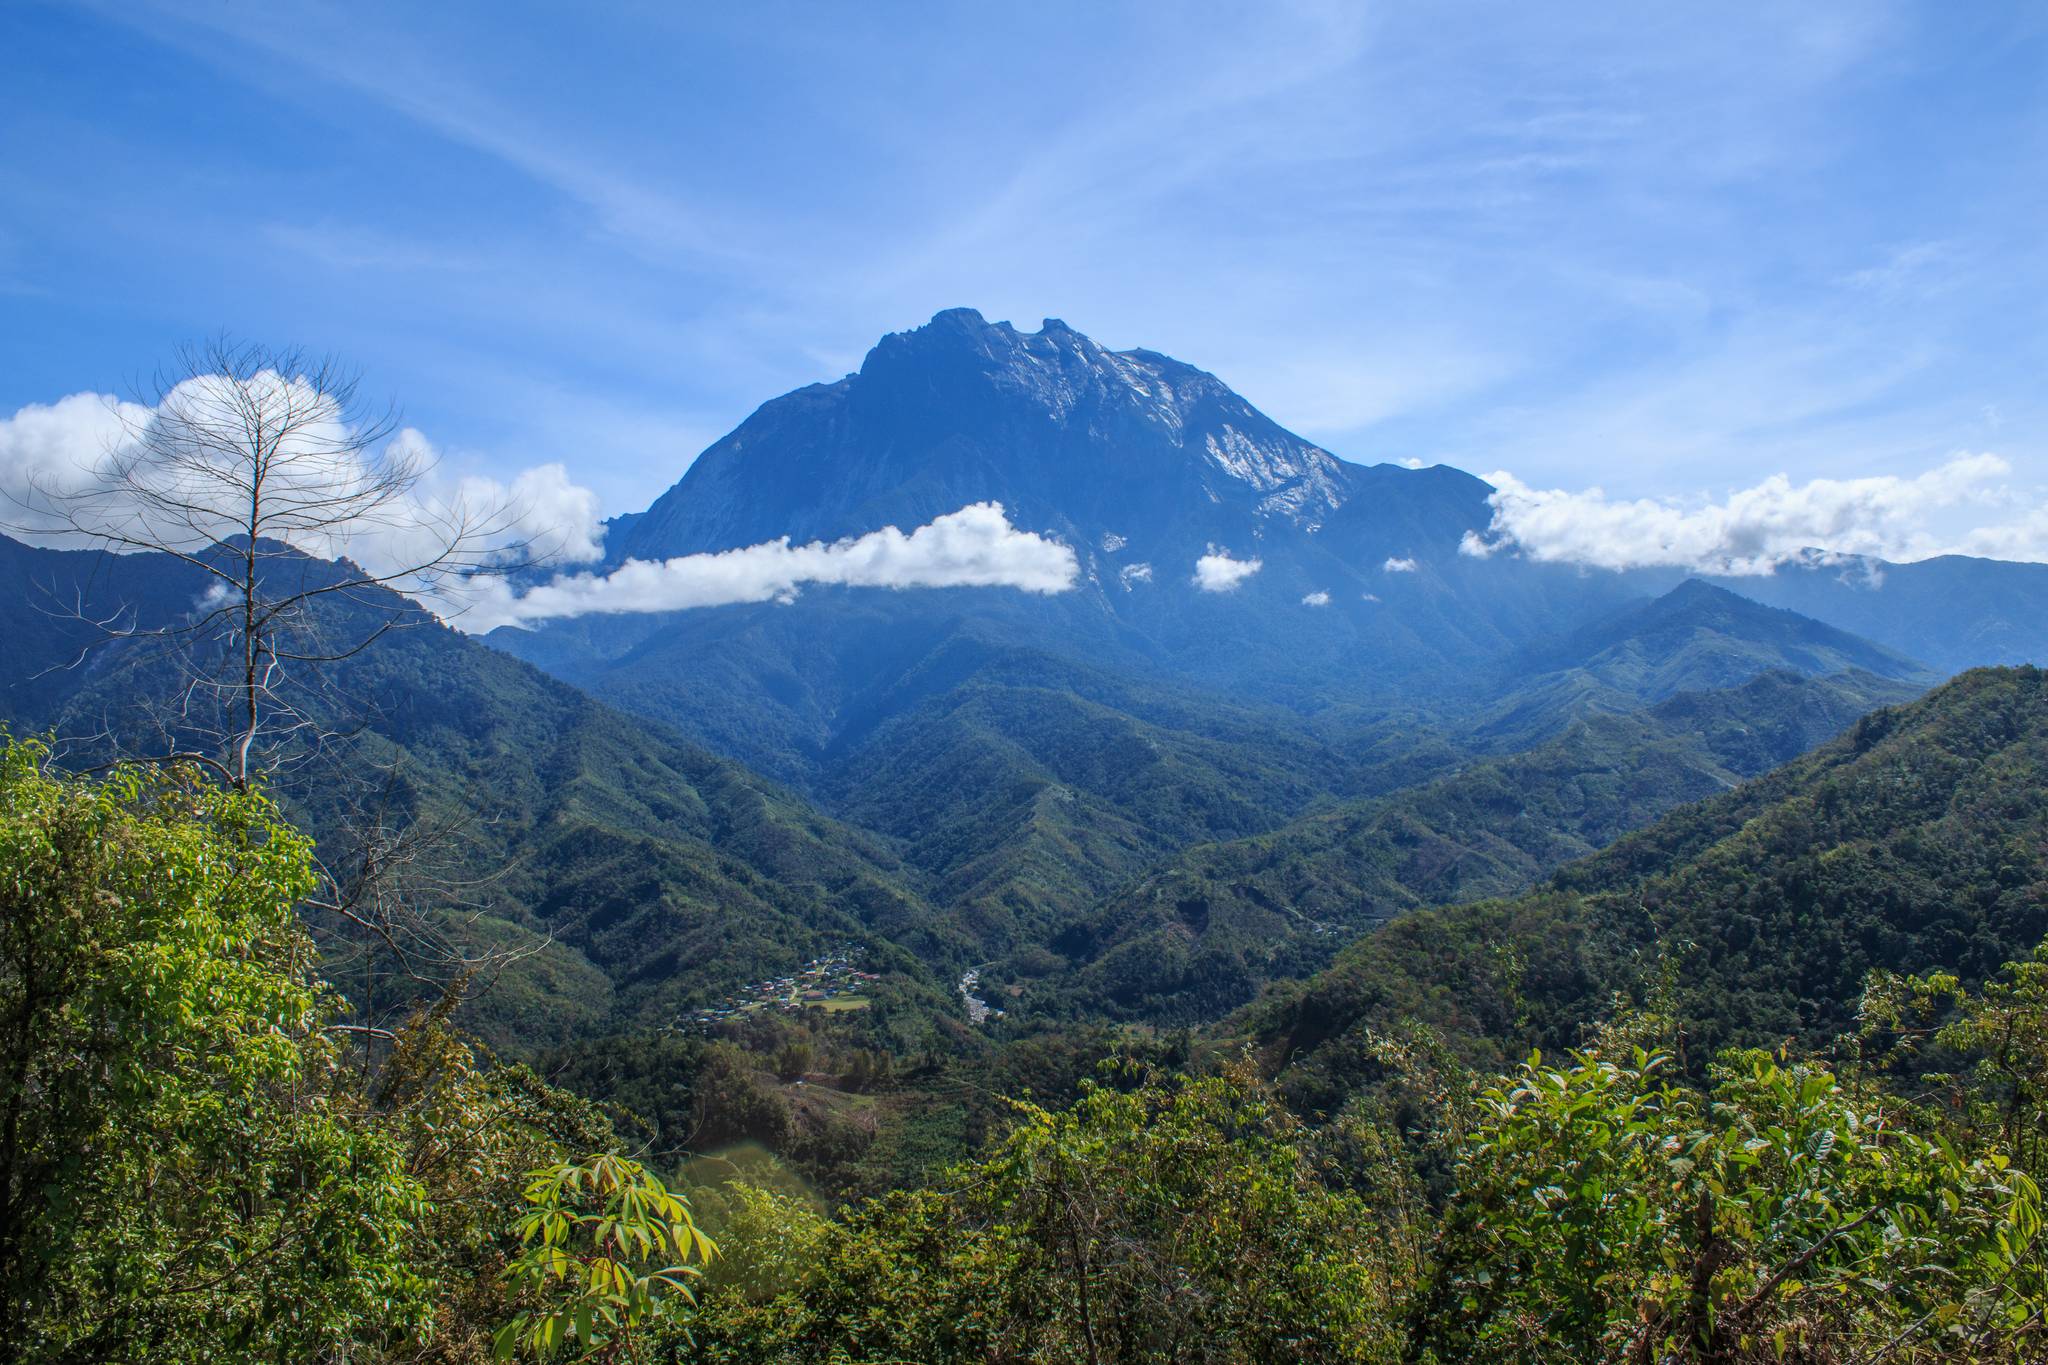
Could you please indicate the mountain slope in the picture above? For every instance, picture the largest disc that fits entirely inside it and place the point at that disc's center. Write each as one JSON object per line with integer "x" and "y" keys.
{"x": 1695, "y": 638}
{"x": 649, "y": 874}
{"x": 1917, "y": 840}
{"x": 1953, "y": 611}
{"x": 1699, "y": 637}
{"x": 1026, "y": 801}
{"x": 1201, "y": 934}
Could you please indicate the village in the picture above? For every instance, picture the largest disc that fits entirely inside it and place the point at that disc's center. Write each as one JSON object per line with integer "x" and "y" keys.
{"x": 834, "y": 982}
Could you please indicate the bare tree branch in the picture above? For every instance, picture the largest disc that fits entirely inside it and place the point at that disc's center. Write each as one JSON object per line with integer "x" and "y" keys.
{"x": 264, "y": 474}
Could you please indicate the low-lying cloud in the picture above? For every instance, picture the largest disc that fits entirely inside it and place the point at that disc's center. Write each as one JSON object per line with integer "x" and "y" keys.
{"x": 1216, "y": 571}
{"x": 975, "y": 547}
{"x": 52, "y": 453}
{"x": 1318, "y": 598}
{"x": 1962, "y": 506}
{"x": 1397, "y": 564}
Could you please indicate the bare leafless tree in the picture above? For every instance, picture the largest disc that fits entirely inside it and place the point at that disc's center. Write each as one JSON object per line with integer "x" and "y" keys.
{"x": 265, "y": 472}
{"x": 315, "y": 533}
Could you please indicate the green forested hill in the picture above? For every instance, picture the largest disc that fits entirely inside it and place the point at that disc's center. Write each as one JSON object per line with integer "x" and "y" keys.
{"x": 647, "y": 873}
{"x": 1104, "y": 846}
{"x": 1028, "y": 789}
{"x": 675, "y": 874}
{"x": 1698, "y": 637}
{"x": 1695, "y": 638}
{"x": 1202, "y": 933}
{"x": 1024, "y": 804}
{"x": 1917, "y": 840}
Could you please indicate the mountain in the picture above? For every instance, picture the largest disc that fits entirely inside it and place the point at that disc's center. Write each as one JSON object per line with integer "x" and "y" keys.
{"x": 1140, "y": 463}
{"x": 1363, "y": 602}
{"x": 1070, "y": 437}
{"x": 1204, "y": 931}
{"x": 1149, "y": 841}
{"x": 1031, "y": 757}
{"x": 1918, "y": 840}
{"x": 1698, "y": 637}
{"x": 644, "y": 874}
{"x": 1953, "y": 611}
{"x": 55, "y": 606}
{"x": 1695, "y": 638}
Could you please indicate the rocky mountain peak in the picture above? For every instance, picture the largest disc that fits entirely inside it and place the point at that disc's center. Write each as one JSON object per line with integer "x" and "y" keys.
{"x": 1070, "y": 436}
{"x": 1128, "y": 399}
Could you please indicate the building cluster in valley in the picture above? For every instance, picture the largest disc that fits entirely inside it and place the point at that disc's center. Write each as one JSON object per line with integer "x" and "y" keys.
{"x": 835, "y": 981}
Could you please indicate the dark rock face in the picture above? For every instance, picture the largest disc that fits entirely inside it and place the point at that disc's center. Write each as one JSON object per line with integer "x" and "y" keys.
{"x": 1091, "y": 444}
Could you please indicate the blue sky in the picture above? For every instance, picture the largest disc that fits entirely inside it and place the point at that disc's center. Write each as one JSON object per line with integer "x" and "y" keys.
{"x": 1661, "y": 249}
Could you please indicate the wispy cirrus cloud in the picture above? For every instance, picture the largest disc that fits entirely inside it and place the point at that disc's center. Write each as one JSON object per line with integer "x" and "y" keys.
{"x": 1647, "y": 254}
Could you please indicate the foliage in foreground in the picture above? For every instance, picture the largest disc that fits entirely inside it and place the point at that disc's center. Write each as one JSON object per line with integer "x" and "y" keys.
{"x": 605, "y": 1252}
{"x": 1605, "y": 1213}
{"x": 1180, "y": 1221}
{"x": 1602, "y": 1211}
{"x": 199, "y": 1166}
{"x": 196, "y": 1164}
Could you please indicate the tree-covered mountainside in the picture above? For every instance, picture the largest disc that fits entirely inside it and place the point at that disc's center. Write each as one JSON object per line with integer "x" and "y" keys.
{"x": 1695, "y": 638}
{"x": 1916, "y": 841}
{"x": 1202, "y": 933}
{"x": 643, "y": 875}
{"x": 991, "y": 803}
{"x": 1023, "y": 801}
{"x": 1053, "y": 823}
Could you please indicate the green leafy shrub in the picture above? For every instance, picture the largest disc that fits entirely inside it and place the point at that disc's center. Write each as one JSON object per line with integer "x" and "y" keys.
{"x": 605, "y": 1261}
{"x": 178, "y": 1181}
{"x": 1174, "y": 1221}
{"x": 1605, "y": 1213}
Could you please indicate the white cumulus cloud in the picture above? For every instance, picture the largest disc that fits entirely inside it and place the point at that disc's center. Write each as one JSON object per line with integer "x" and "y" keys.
{"x": 1754, "y": 530}
{"x": 973, "y": 547}
{"x": 1216, "y": 571}
{"x": 1318, "y": 598}
{"x": 1395, "y": 564}
{"x": 1134, "y": 573}
{"x": 54, "y": 448}
{"x": 52, "y": 452}
{"x": 550, "y": 516}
